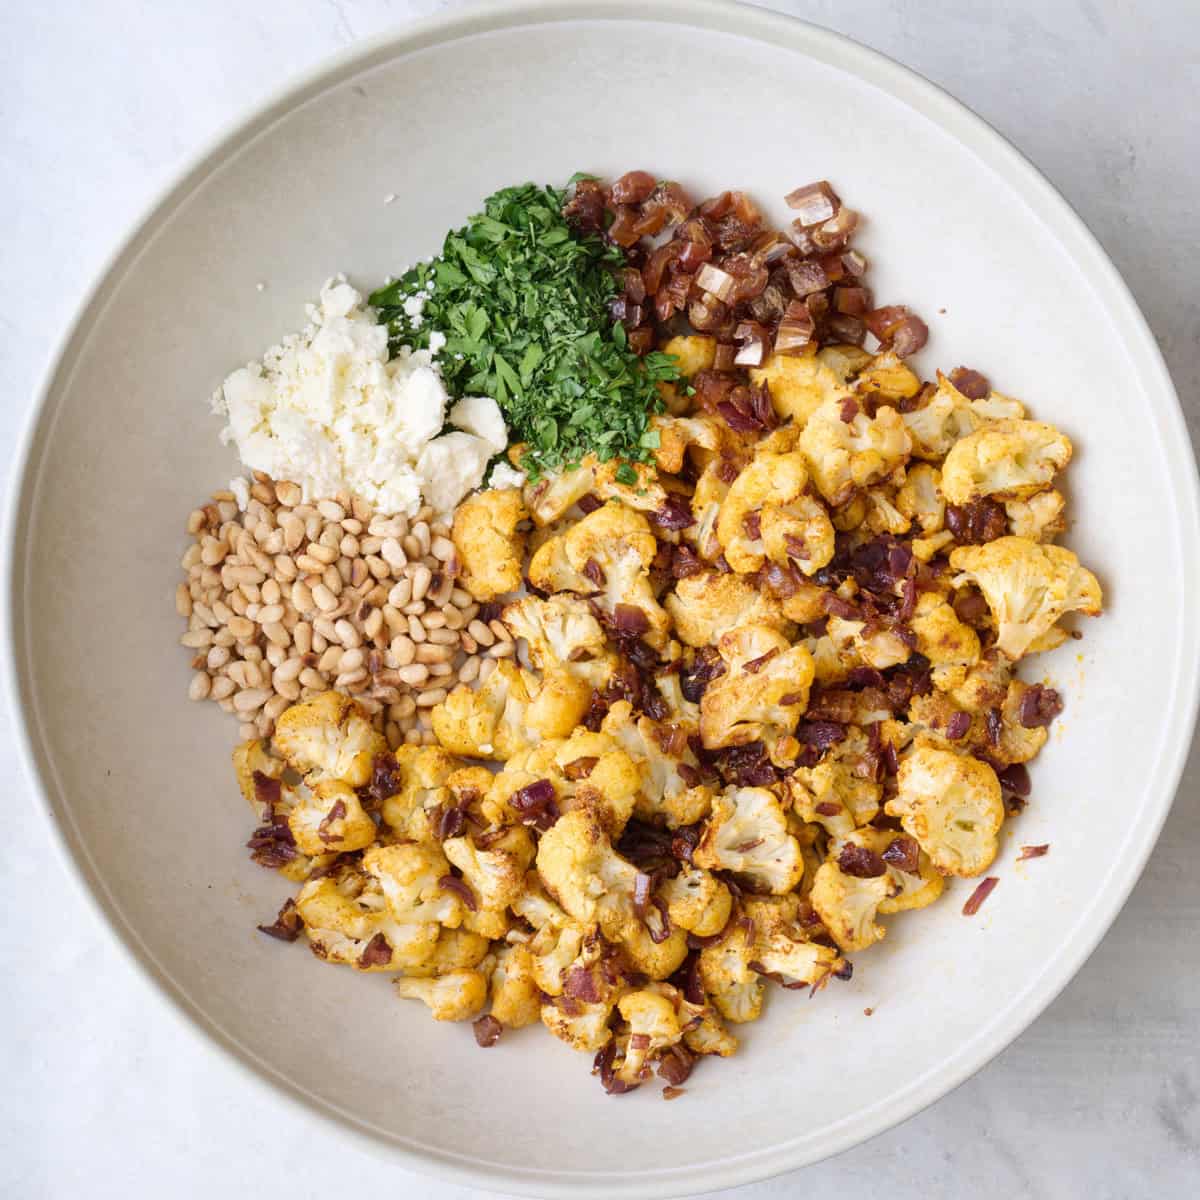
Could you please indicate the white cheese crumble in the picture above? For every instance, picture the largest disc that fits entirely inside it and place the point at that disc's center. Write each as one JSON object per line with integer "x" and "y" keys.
{"x": 329, "y": 410}
{"x": 503, "y": 476}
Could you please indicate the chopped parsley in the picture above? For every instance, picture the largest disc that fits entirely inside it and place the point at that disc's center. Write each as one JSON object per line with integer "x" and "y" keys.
{"x": 523, "y": 302}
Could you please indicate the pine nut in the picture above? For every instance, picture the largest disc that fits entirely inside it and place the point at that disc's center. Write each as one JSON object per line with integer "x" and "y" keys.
{"x": 442, "y": 548}
{"x": 413, "y": 675}
{"x": 197, "y": 639}
{"x": 351, "y": 660}
{"x": 347, "y": 634}
{"x": 331, "y": 510}
{"x": 241, "y": 628}
{"x": 200, "y": 686}
{"x": 404, "y": 707}
{"x": 403, "y": 650}
{"x": 430, "y": 698}
{"x": 325, "y": 600}
{"x": 276, "y": 653}
{"x": 269, "y": 614}
{"x": 468, "y": 672}
{"x": 288, "y": 493}
{"x": 323, "y": 554}
{"x": 481, "y": 633}
{"x": 432, "y": 653}
{"x": 183, "y": 600}
{"x": 310, "y": 678}
{"x": 502, "y": 650}
{"x": 302, "y": 636}
{"x": 277, "y": 634}
{"x": 401, "y": 593}
{"x": 218, "y": 656}
{"x": 251, "y": 699}
{"x": 331, "y": 660}
{"x": 444, "y": 637}
{"x": 222, "y": 687}
{"x": 416, "y": 630}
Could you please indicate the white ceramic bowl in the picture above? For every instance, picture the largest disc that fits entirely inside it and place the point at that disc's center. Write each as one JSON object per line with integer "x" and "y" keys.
{"x": 137, "y": 780}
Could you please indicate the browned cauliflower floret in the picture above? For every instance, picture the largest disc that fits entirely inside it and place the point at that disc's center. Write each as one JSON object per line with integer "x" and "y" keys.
{"x": 693, "y": 353}
{"x": 592, "y": 882}
{"x": 410, "y": 875}
{"x": 951, "y": 646}
{"x": 669, "y": 787}
{"x": 799, "y": 534}
{"x": 558, "y": 703}
{"x": 557, "y": 492}
{"x": 762, "y": 693}
{"x": 781, "y": 949}
{"x": 425, "y": 773}
{"x": 330, "y": 737}
{"x": 919, "y": 498}
{"x": 840, "y": 793}
{"x": 915, "y": 883}
{"x": 676, "y": 434}
{"x": 710, "y": 491}
{"x": 515, "y": 999}
{"x": 329, "y": 819}
{"x": 1028, "y": 587}
{"x": 770, "y": 490}
{"x": 457, "y": 996}
{"x": 583, "y": 1026}
{"x": 697, "y": 901}
{"x": 490, "y": 549}
{"x": 1041, "y": 518}
{"x": 347, "y": 920}
{"x": 488, "y": 721}
{"x": 257, "y": 771}
{"x": 561, "y": 632}
{"x": 710, "y": 603}
{"x": 951, "y": 804}
{"x": 495, "y": 876}
{"x": 653, "y": 1026}
{"x": 799, "y": 384}
{"x": 607, "y": 553}
{"x": 844, "y": 455}
{"x": 948, "y": 415}
{"x": 889, "y": 376}
{"x": 748, "y": 835}
{"x": 456, "y": 950}
{"x": 1010, "y": 460}
{"x": 735, "y": 987}
{"x": 848, "y": 904}
{"x": 857, "y": 644}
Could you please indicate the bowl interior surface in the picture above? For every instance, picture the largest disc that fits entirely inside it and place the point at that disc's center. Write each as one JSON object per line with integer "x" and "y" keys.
{"x": 139, "y": 780}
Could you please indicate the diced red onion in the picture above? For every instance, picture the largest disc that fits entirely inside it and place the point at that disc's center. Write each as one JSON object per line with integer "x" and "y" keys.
{"x": 376, "y": 953}
{"x": 957, "y": 726}
{"x": 847, "y": 329}
{"x": 724, "y": 357}
{"x": 971, "y": 383}
{"x": 860, "y": 861}
{"x": 979, "y": 895}
{"x": 487, "y": 1031}
{"x": 452, "y": 883}
{"x": 629, "y": 620}
{"x": 904, "y": 854}
{"x": 633, "y": 187}
{"x": 715, "y": 281}
{"x": 796, "y": 330}
{"x": 836, "y": 232}
{"x": 1033, "y": 852}
{"x": 706, "y": 313}
{"x": 807, "y": 277}
{"x": 814, "y": 203}
{"x": 854, "y": 263}
{"x": 853, "y": 301}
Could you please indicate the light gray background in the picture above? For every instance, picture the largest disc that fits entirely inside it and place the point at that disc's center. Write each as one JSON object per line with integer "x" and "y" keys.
{"x": 107, "y": 1093}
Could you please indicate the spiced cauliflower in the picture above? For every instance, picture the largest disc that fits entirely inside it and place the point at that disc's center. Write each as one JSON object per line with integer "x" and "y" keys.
{"x": 490, "y": 548}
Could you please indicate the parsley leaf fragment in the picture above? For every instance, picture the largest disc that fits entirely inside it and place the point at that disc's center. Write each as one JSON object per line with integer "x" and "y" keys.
{"x": 523, "y": 302}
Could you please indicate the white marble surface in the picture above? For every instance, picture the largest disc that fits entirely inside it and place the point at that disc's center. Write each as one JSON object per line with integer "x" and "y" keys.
{"x": 106, "y": 1092}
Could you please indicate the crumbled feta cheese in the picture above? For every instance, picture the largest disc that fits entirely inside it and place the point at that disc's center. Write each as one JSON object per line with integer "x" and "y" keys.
{"x": 481, "y": 416}
{"x": 437, "y": 341}
{"x": 329, "y": 410}
{"x": 240, "y": 487}
{"x": 503, "y": 476}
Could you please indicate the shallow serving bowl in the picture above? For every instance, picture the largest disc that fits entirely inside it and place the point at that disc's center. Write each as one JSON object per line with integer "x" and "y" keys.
{"x": 137, "y": 780}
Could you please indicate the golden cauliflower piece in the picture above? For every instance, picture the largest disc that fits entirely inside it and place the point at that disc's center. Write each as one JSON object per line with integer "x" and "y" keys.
{"x": 708, "y": 604}
{"x": 607, "y": 554}
{"x": 762, "y": 693}
{"x": 1010, "y": 460}
{"x": 653, "y": 1026}
{"x": 668, "y": 772}
{"x": 557, "y": 492}
{"x": 330, "y": 737}
{"x": 346, "y": 920}
{"x": 919, "y": 498}
{"x": 426, "y": 773}
{"x": 952, "y": 805}
{"x": 854, "y": 645}
{"x": 781, "y": 949}
{"x": 496, "y": 877}
{"x": 257, "y": 770}
{"x": 748, "y": 835}
{"x": 676, "y": 434}
{"x": 410, "y": 876}
{"x": 950, "y": 646}
{"x": 457, "y": 996}
{"x": 561, "y": 632}
{"x": 490, "y": 549}
{"x": 845, "y": 455}
{"x": 694, "y": 353}
{"x": 948, "y": 415}
{"x": 840, "y": 793}
{"x": 768, "y": 480}
{"x": 915, "y": 883}
{"x": 848, "y": 904}
{"x": 799, "y": 385}
{"x": 515, "y": 999}
{"x": 592, "y": 882}
{"x": 330, "y": 819}
{"x": 697, "y": 901}
{"x": 488, "y": 721}
{"x": 1041, "y": 518}
{"x": 1028, "y": 587}
{"x": 888, "y": 376}
{"x": 735, "y": 987}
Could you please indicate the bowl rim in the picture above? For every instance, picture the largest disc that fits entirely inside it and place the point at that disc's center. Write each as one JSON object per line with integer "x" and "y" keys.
{"x": 994, "y": 151}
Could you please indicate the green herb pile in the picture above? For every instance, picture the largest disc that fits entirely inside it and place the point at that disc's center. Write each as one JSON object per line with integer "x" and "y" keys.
{"x": 523, "y": 302}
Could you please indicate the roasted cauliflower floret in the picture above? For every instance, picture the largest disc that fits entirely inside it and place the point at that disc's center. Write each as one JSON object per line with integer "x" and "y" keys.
{"x": 748, "y": 835}
{"x": 1028, "y": 587}
{"x": 840, "y": 793}
{"x": 948, "y": 415}
{"x": 1041, "y": 518}
{"x": 557, "y": 492}
{"x": 257, "y": 772}
{"x": 653, "y": 1026}
{"x": 329, "y": 737}
{"x": 780, "y": 948}
{"x": 848, "y": 904}
{"x": 708, "y": 604}
{"x": 488, "y": 721}
{"x": 697, "y": 901}
{"x": 581, "y": 1025}
{"x": 952, "y": 805}
{"x": 677, "y": 434}
{"x": 769, "y": 482}
{"x": 346, "y": 920}
{"x": 915, "y": 883}
{"x": 330, "y": 819}
{"x": 425, "y": 772}
{"x": 857, "y": 645}
{"x": 410, "y": 875}
{"x": 735, "y": 987}
{"x": 515, "y": 999}
{"x": 496, "y": 876}
{"x": 607, "y": 554}
{"x": 919, "y": 498}
{"x": 1010, "y": 460}
{"x": 558, "y": 703}
{"x": 888, "y": 376}
{"x": 669, "y": 787}
{"x": 950, "y": 646}
{"x": 458, "y": 996}
{"x": 762, "y": 693}
{"x": 561, "y": 631}
{"x": 844, "y": 455}
{"x": 798, "y": 533}
{"x": 799, "y": 385}
{"x": 490, "y": 549}
{"x": 592, "y": 882}
{"x": 693, "y": 354}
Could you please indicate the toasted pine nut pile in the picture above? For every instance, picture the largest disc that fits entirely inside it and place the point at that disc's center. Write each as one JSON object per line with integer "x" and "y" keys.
{"x": 289, "y": 599}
